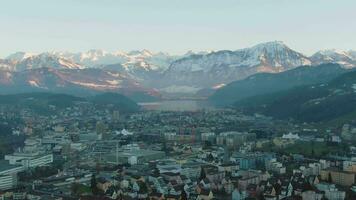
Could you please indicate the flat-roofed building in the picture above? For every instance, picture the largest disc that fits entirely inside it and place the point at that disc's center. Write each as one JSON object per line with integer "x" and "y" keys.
{"x": 32, "y": 155}
{"x": 8, "y": 175}
{"x": 234, "y": 139}
{"x": 134, "y": 156}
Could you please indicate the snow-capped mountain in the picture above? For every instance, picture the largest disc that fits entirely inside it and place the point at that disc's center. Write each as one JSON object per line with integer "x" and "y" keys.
{"x": 352, "y": 54}
{"x": 7, "y": 64}
{"x": 24, "y": 61}
{"x": 222, "y": 67}
{"x": 143, "y": 66}
{"x": 344, "y": 58}
{"x": 73, "y": 81}
{"x": 94, "y": 70}
{"x": 130, "y": 60}
{"x": 187, "y": 73}
{"x": 19, "y": 56}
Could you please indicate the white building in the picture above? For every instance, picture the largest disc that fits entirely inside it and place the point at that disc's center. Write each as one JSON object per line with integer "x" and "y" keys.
{"x": 170, "y": 136}
{"x": 124, "y": 132}
{"x": 32, "y": 155}
{"x": 336, "y": 139}
{"x": 209, "y": 136}
{"x": 331, "y": 192}
{"x": 8, "y": 181}
{"x": 55, "y": 139}
{"x": 8, "y": 175}
{"x": 78, "y": 146}
{"x": 274, "y": 166}
{"x": 132, "y": 160}
{"x": 29, "y": 160}
{"x": 291, "y": 136}
{"x": 311, "y": 195}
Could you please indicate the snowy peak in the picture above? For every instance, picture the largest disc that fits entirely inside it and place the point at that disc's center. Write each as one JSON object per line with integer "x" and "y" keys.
{"x": 19, "y": 56}
{"x": 46, "y": 60}
{"x": 270, "y": 46}
{"x": 273, "y": 57}
{"x": 222, "y": 67}
{"x": 269, "y": 55}
{"x": 130, "y": 60}
{"x": 7, "y": 65}
{"x": 147, "y": 53}
{"x": 95, "y": 58}
{"x": 189, "y": 72}
{"x": 352, "y": 54}
{"x": 191, "y": 52}
{"x": 344, "y": 58}
{"x": 335, "y": 54}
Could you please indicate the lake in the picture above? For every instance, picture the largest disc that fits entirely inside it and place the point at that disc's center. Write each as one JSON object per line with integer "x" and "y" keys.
{"x": 177, "y": 105}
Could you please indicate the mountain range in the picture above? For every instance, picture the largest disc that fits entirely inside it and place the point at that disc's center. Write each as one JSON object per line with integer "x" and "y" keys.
{"x": 152, "y": 74}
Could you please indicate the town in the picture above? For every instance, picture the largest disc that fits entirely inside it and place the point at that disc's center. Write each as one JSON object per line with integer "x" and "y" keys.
{"x": 83, "y": 152}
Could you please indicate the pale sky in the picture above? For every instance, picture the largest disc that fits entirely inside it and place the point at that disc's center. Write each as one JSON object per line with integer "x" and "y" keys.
{"x": 174, "y": 26}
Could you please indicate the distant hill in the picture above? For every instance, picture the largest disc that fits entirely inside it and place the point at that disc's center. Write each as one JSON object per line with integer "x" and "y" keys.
{"x": 266, "y": 83}
{"x": 143, "y": 97}
{"x": 41, "y": 101}
{"x": 60, "y": 100}
{"x": 117, "y": 100}
{"x": 334, "y": 100}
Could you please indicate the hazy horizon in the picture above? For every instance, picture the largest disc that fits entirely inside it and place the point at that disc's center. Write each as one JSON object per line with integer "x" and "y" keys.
{"x": 175, "y": 26}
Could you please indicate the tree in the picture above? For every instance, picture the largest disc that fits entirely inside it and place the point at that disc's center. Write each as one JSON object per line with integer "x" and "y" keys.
{"x": 207, "y": 145}
{"x": 79, "y": 189}
{"x": 120, "y": 197}
{"x": 75, "y": 188}
{"x": 312, "y": 150}
{"x": 93, "y": 187}
{"x": 202, "y": 174}
{"x": 183, "y": 195}
{"x": 330, "y": 180}
{"x": 164, "y": 146}
{"x": 156, "y": 172}
{"x": 210, "y": 158}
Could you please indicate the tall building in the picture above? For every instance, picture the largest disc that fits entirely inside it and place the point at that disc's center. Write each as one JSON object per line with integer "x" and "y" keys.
{"x": 115, "y": 115}
{"x": 101, "y": 129}
{"x": 234, "y": 139}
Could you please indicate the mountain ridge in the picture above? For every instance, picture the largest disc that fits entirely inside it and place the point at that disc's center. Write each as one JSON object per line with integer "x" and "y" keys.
{"x": 265, "y": 83}
{"x": 309, "y": 103}
{"x": 188, "y": 73}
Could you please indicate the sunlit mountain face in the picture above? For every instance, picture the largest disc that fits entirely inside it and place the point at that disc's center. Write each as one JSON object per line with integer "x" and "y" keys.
{"x": 99, "y": 70}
